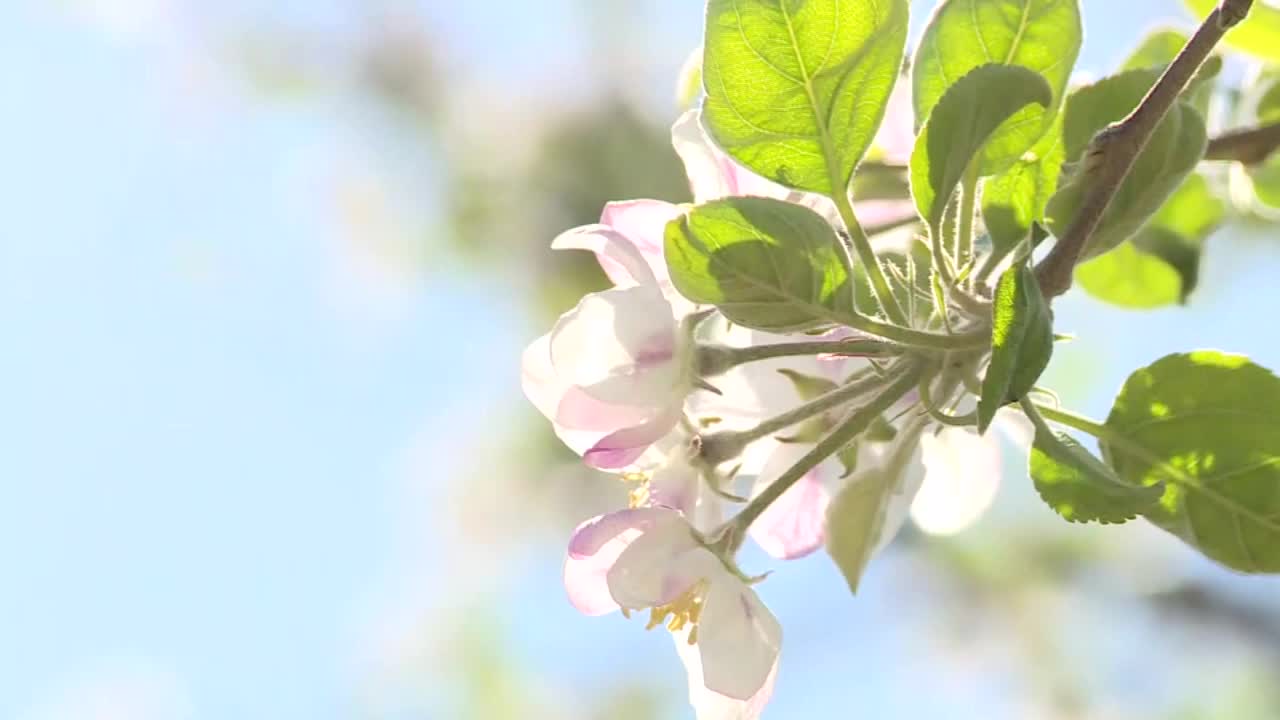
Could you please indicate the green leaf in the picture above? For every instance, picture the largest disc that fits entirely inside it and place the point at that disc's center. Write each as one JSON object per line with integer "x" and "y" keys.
{"x": 1206, "y": 426}
{"x": 1268, "y": 109}
{"x": 1172, "y": 152}
{"x": 961, "y": 124}
{"x": 1258, "y": 35}
{"x": 1130, "y": 278}
{"x": 1156, "y": 50}
{"x": 1265, "y": 178}
{"x": 767, "y": 264}
{"x": 796, "y": 90}
{"x": 855, "y": 518}
{"x": 1043, "y": 36}
{"x": 1021, "y": 342}
{"x": 1161, "y": 265}
{"x": 1015, "y": 199}
{"x": 807, "y": 386}
{"x": 1080, "y": 487}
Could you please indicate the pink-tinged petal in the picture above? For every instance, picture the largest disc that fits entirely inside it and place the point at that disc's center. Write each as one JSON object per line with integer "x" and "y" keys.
{"x": 962, "y": 474}
{"x": 675, "y": 484}
{"x": 619, "y": 449}
{"x": 538, "y": 378}
{"x": 618, "y": 256}
{"x": 739, "y": 640}
{"x": 593, "y": 550}
{"x": 644, "y": 223}
{"x": 794, "y": 525}
{"x": 579, "y": 410}
{"x": 658, "y": 565}
{"x": 711, "y": 705}
{"x": 883, "y": 212}
{"x": 702, "y": 162}
{"x": 620, "y": 346}
{"x": 712, "y": 174}
{"x": 547, "y": 393}
{"x": 896, "y": 138}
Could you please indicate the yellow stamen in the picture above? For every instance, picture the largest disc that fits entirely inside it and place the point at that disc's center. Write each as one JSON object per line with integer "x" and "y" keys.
{"x": 684, "y": 610}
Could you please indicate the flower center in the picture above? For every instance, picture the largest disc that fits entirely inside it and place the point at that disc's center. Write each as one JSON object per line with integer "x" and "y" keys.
{"x": 639, "y": 495}
{"x": 683, "y": 610}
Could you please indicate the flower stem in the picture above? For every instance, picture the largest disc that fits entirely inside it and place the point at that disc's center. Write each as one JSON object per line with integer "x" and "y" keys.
{"x": 724, "y": 446}
{"x": 716, "y": 359}
{"x": 867, "y": 256}
{"x": 837, "y": 439}
{"x": 968, "y": 207}
{"x": 1064, "y": 417}
{"x": 1112, "y": 153}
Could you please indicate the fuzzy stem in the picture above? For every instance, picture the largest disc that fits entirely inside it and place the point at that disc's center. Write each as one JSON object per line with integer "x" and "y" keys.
{"x": 716, "y": 359}
{"x": 837, "y": 439}
{"x": 867, "y": 256}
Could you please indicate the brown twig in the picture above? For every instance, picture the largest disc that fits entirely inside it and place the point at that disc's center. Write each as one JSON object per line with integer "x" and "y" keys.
{"x": 1246, "y": 145}
{"x": 1112, "y": 152}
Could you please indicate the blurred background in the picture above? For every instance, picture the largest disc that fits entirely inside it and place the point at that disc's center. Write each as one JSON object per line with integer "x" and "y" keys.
{"x": 266, "y": 269}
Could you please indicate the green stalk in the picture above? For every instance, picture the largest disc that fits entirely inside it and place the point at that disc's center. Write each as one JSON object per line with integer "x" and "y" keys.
{"x": 836, "y": 440}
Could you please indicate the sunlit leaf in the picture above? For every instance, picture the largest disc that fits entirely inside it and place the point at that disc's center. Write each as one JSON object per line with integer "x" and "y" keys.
{"x": 1206, "y": 426}
{"x": 1161, "y": 264}
{"x": 797, "y": 90}
{"x": 1080, "y": 487}
{"x": 1015, "y": 199}
{"x": 1021, "y": 342}
{"x": 1043, "y": 36}
{"x": 767, "y": 264}
{"x": 1258, "y": 35}
{"x": 962, "y": 124}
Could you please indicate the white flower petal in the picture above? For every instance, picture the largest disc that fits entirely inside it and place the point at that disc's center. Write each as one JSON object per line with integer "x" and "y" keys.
{"x": 962, "y": 475}
{"x": 794, "y": 525}
{"x": 623, "y": 448}
{"x": 618, "y": 256}
{"x": 1015, "y": 426}
{"x": 593, "y": 550}
{"x": 649, "y": 571}
{"x": 711, "y": 705}
{"x": 620, "y": 346}
{"x": 738, "y": 639}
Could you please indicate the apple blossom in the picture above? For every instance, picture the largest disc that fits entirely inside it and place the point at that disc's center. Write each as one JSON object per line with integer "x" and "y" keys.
{"x": 613, "y": 373}
{"x": 650, "y": 558}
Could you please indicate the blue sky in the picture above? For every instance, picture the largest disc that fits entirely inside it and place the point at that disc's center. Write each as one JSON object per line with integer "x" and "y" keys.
{"x": 204, "y": 418}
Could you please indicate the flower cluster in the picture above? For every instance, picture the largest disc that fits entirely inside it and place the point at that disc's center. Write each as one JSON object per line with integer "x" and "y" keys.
{"x": 703, "y": 416}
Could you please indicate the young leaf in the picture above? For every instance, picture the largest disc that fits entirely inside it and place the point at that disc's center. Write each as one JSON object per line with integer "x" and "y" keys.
{"x": 854, "y": 521}
{"x": 1156, "y": 50}
{"x": 1021, "y": 342}
{"x": 1258, "y": 35}
{"x": 1206, "y": 426}
{"x": 767, "y": 264}
{"x": 1080, "y": 487}
{"x": 796, "y": 91}
{"x": 1161, "y": 265}
{"x": 1170, "y": 155}
{"x": 1015, "y": 199}
{"x": 1043, "y": 36}
{"x": 961, "y": 124}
